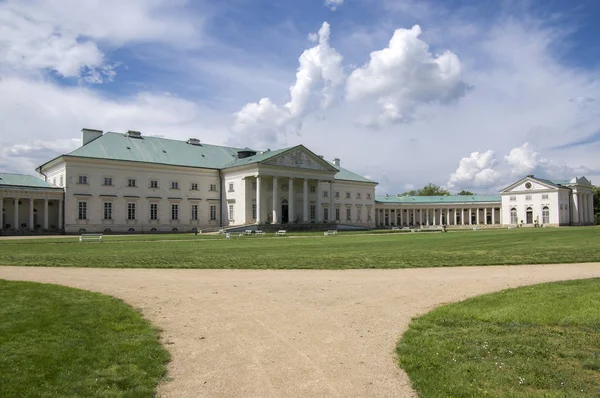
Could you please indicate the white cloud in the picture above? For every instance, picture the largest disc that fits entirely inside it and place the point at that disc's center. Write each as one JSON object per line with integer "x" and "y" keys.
{"x": 267, "y": 123}
{"x": 333, "y": 4}
{"x": 477, "y": 170}
{"x": 404, "y": 75}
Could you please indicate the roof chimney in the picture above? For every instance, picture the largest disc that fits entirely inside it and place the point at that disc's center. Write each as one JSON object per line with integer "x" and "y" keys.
{"x": 89, "y": 135}
{"x": 193, "y": 141}
{"x": 336, "y": 161}
{"x": 134, "y": 134}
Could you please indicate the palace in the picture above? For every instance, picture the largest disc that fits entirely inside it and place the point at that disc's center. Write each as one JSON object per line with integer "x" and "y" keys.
{"x": 128, "y": 182}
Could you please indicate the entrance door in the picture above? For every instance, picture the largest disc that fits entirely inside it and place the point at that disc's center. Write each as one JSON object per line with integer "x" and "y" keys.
{"x": 284, "y": 211}
{"x": 529, "y": 214}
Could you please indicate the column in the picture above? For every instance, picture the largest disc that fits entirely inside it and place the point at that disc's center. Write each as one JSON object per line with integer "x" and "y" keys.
{"x": 401, "y": 216}
{"x": 455, "y": 216}
{"x": 60, "y": 214}
{"x": 485, "y": 215}
{"x": 468, "y": 217}
{"x": 305, "y": 201}
{"x": 420, "y": 216}
{"x": 291, "y": 213}
{"x": 1, "y": 214}
{"x": 258, "y": 200}
{"x": 45, "y": 214}
{"x": 477, "y": 215}
{"x": 319, "y": 214}
{"x": 493, "y": 216}
{"x": 331, "y": 202}
{"x": 16, "y": 210}
{"x": 275, "y": 201}
{"x": 30, "y": 224}
{"x": 433, "y": 217}
{"x": 575, "y": 211}
{"x": 441, "y": 216}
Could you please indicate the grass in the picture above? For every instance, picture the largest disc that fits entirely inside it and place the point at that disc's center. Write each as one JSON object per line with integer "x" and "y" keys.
{"x": 62, "y": 342}
{"x": 537, "y": 341}
{"x": 346, "y": 250}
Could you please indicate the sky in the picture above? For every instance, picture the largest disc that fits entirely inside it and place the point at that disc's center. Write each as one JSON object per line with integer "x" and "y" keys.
{"x": 464, "y": 94}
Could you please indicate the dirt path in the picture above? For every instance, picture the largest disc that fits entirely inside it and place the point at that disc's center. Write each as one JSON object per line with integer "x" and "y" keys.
{"x": 244, "y": 333}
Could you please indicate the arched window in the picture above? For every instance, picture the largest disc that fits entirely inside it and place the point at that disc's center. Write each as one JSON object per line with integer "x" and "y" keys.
{"x": 529, "y": 215}
{"x": 513, "y": 216}
{"x": 545, "y": 215}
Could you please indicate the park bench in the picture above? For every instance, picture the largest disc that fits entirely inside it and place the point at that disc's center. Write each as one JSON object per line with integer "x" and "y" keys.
{"x": 227, "y": 235}
{"x": 259, "y": 232}
{"x": 395, "y": 229}
{"x": 281, "y": 232}
{"x": 330, "y": 232}
{"x": 248, "y": 232}
{"x": 406, "y": 229}
{"x": 476, "y": 228}
{"x": 96, "y": 237}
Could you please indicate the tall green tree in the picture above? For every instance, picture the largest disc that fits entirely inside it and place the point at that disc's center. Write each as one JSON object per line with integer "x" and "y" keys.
{"x": 433, "y": 190}
{"x": 597, "y": 204}
{"x": 466, "y": 193}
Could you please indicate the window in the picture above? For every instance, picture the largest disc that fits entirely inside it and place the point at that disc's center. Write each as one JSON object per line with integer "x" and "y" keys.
{"x": 174, "y": 184}
{"x": 513, "y": 198}
{"x": 213, "y": 187}
{"x": 254, "y": 185}
{"x": 131, "y": 211}
{"x": 131, "y": 182}
{"x": 545, "y": 196}
{"x": 174, "y": 211}
{"x": 194, "y": 212}
{"x": 194, "y": 186}
{"x": 325, "y": 194}
{"x": 368, "y": 196}
{"x": 107, "y": 181}
{"x": 545, "y": 215}
{"x": 358, "y": 195}
{"x": 337, "y": 195}
{"x": 337, "y": 214}
{"x": 348, "y": 214}
{"x": 513, "y": 216}
{"x": 153, "y": 183}
{"x": 527, "y": 197}
{"x": 230, "y": 187}
{"x": 62, "y": 181}
{"x": 82, "y": 213}
{"x": 83, "y": 180}
{"x": 326, "y": 214}
{"x": 213, "y": 213}
{"x": 108, "y": 210}
{"x": 54, "y": 181}
{"x": 313, "y": 212}
{"x": 313, "y": 189}
{"x": 230, "y": 212}
{"x": 154, "y": 211}
{"x": 254, "y": 211}
{"x": 347, "y": 195}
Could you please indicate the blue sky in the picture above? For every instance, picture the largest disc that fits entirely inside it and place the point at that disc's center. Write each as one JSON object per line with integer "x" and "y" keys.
{"x": 465, "y": 94}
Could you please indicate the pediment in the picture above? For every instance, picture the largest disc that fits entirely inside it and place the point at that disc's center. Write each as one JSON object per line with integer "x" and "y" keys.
{"x": 529, "y": 185}
{"x": 300, "y": 158}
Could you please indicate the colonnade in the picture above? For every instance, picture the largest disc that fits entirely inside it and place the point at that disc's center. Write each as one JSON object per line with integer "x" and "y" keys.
{"x": 14, "y": 204}
{"x": 583, "y": 209}
{"x": 410, "y": 216}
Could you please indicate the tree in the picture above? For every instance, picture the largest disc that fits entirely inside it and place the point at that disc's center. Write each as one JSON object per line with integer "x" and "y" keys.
{"x": 433, "y": 190}
{"x": 466, "y": 193}
{"x": 596, "y": 191}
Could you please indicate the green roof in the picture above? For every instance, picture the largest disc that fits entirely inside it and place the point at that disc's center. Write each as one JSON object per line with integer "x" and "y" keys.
{"x": 117, "y": 146}
{"x": 22, "y": 180}
{"x": 437, "y": 199}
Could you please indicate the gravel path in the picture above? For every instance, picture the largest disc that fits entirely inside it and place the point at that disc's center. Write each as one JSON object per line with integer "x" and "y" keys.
{"x": 246, "y": 333}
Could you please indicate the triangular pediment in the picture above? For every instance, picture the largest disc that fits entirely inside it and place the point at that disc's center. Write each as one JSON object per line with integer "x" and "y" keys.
{"x": 529, "y": 184}
{"x": 301, "y": 158}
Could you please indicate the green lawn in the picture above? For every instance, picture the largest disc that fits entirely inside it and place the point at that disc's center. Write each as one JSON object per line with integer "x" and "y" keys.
{"x": 536, "y": 341}
{"x": 346, "y": 250}
{"x": 62, "y": 342}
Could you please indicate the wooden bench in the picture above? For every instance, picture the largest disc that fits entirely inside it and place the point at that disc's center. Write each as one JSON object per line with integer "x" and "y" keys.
{"x": 248, "y": 232}
{"x": 96, "y": 237}
{"x": 259, "y": 232}
{"x": 281, "y": 232}
{"x": 395, "y": 229}
{"x": 330, "y": 232}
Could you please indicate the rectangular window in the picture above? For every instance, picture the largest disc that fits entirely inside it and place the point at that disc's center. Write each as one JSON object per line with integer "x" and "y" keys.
{"x": 54, "y": 181}
{"x": 194, "y": 186}
{"x": 313, "y": 212}
{"x": 348, "y": 214}
{"x": 325, "y": 194}
{"x": 231, "y": 187}
{"x": 107, "y": 181}
{"x": 153, "y": 183}
{"x": 154, "y": 211}
{"x": 231, "y": 212}
{"x": 513, "y": 198}
{"x": 83, "y": 180}
{"x": 368, "y": 196}
{"x": 108, "y": 210}
{"x": 254, "y": 211}
{"x": 82, "y": 213}
{"x": 62, "y": 181}
{"x": 313, "y": 189}
{"x": 174, "y": 211}
{"x": 194, "y": 212}
{"x": 337, "y": 195}
{"x": 131, "y": 182}
{"x": 347, "y": 195}
{"x": 337, "y": 214}
{"x": 131, "y": 211}
{"x": 326, "y": 214}
{"x": 527, "y": 197}
{"x": 174, "y": 185}
{"x": 358, "y": 195}
{"x": 213, "y": 213}
{"x": 545, "y": 196}
{"x": 254, "y": 185}
{"x": 213, "y": 187}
